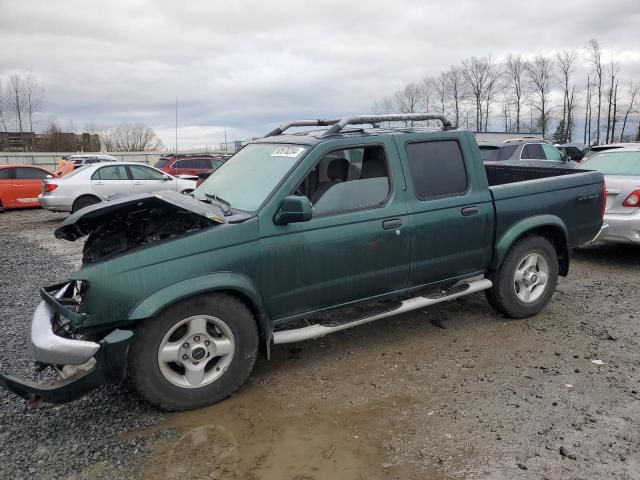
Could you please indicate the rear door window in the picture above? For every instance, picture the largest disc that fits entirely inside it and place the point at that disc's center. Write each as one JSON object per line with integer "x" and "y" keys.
{"x": 26, "y": 173}
{"x": 437, "y": 168}
{"x": 5, "y": 173}
{"x": 115, "y": 172}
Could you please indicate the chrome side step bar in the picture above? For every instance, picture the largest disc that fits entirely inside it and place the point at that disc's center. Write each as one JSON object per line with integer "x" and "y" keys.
{"x": 318, "y": 330}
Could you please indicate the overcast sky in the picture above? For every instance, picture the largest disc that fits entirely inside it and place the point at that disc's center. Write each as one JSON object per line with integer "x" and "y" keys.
{"x": 245, "y": 67}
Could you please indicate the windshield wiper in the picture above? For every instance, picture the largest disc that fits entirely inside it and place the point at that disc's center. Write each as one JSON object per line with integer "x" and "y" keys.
{"x": 226, "y": 206}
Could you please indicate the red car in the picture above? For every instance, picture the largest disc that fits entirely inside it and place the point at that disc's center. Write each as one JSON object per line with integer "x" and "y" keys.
{"x": 188, "y": 164}
{"x": 20, "y": 185}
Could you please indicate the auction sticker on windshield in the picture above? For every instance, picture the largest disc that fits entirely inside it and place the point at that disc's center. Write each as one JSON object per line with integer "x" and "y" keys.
{"x": 288, "y": 151}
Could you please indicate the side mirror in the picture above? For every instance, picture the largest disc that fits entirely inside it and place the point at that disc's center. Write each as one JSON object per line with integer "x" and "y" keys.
{"x": 294, "y": 209}
{"x": 166, "y": 178}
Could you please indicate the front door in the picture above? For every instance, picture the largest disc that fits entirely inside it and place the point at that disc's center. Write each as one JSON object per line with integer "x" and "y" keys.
{"x": 28, "y": 185}
{"x": 356, "y": 245}
{"x": 147, "y": 179}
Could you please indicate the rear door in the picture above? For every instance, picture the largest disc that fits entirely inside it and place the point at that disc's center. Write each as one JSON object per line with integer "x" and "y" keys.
{"x": 147, "y": 179}
{"x": 450, "y": 209}
{"x": 27, "y": 185}
{"x": 111, "y": 179}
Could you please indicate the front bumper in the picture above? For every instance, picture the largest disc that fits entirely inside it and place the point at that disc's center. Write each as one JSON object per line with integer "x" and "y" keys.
{"x": 93, "y": 363}
{"x": 623, "y": 228}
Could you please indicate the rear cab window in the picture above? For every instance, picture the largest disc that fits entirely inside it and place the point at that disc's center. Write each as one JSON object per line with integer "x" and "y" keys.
{"x": 437, "y": 169}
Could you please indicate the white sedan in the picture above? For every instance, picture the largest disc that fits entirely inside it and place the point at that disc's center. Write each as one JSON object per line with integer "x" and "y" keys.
{"x": 92, "y": 184}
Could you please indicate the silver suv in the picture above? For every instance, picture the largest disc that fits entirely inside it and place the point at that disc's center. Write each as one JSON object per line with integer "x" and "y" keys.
{"x": 525, "y": 153}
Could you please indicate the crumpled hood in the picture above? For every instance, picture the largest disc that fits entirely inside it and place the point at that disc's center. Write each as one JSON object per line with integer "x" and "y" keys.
{"x": 86, "y": 220}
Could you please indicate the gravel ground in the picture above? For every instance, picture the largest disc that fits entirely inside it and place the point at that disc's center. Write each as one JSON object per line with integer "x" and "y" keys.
{"x": 454, "y": 392}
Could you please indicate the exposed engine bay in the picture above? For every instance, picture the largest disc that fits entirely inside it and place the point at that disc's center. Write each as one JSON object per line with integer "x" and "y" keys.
{"x": 115, "y": 227}
{"x": 137, "y": 229}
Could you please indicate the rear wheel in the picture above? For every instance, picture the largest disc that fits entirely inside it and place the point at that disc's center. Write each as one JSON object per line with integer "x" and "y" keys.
{"x": 1, "y": 207}
{"x": 526, "y": 279}
{"x": 85, "y": 201}
{"x": 195, "y": 353}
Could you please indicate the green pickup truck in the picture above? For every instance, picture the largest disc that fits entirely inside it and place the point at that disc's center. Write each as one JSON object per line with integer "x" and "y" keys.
{"x": 179, "y": 294}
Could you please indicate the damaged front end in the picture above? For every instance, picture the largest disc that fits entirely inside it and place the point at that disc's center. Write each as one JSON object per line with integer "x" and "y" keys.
{"x": 82, "y": 361}
{"x": 136, "y": 221}
{"x": 62, "y": 336}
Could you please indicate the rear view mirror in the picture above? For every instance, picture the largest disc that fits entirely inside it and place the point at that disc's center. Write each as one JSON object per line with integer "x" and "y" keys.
{"x": 294, "y": 209}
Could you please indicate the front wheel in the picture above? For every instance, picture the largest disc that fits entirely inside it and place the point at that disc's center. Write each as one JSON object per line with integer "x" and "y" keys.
{"x": 195, "y": 353}
{"x": 526, "y": 279}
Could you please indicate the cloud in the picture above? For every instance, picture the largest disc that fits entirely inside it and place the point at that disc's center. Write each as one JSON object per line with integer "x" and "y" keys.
{"x": 246, "y": 66}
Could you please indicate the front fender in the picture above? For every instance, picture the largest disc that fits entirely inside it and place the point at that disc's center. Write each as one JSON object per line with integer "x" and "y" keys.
{"x": 229, "y": 281}
{"x": 517, "y": 230}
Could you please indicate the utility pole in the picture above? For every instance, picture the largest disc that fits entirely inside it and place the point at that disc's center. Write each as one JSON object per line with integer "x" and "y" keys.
{"x": 176, "y": 126}
{"x": 225, "y": 141}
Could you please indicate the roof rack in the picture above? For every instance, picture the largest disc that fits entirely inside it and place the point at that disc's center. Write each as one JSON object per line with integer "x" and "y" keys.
{"x": 336, "y": 125}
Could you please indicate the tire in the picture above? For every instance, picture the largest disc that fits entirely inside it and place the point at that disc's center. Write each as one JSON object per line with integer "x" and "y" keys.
{"x": 1, "y": 207}
{"x": 522, "y": 270}
{"x": 171, "y": 386}
{"x": 83, "y": 202}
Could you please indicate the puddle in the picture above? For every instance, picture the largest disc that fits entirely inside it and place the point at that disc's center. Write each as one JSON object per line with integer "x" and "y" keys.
{"x": 249, "y": 438}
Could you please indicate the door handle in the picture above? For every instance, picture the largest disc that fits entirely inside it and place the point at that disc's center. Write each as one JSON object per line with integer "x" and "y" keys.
{"x": 468, "y": 211}
{"x": 137, "y": 183}
{"x": 392, "y": 223}
{"x": 99, "y": 183}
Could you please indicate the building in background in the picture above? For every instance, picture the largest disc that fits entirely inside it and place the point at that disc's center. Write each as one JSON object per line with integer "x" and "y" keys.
{"x": 49, "y": 142}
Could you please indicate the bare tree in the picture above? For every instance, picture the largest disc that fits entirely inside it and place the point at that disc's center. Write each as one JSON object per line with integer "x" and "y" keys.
{"x": 3, "y": 109}
{"x": 613, "y": 71}
{"x": 34, "y": 98}
{"x": 16, "y": 100}
{"x": 515, "y": 68}
{"x": 426, "y": 88}
{"x": 565, "y": 60}
{"x": 476, "y": 72}
{"x": 615, "y": 111}
{"x": 587, "y": 114}
{"x": 633, "y": 94}
{"x": 384, "y": 106}
{"x": 539, "y": 73}
{"x": 456, "y": 92}
{"x": 409, "y": 99}
{"x": 440, "y": 89}
{"x": 594, "y": 56}
{"x": 494, "y": 86}
{"x": 129, "y": 138}
{"x": 571, "y": 105}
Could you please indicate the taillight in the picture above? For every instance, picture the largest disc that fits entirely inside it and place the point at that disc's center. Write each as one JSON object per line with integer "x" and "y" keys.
{"x": 633, "y": 200}
{"x": 50, "y": 187}
{"x": 604, "y": 199}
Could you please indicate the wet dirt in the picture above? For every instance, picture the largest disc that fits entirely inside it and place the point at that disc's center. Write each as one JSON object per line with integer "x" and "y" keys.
{"x": 452, "y": 392}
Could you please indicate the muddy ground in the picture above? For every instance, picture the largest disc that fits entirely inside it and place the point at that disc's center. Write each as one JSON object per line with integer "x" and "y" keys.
{"x": 453, "y": 392}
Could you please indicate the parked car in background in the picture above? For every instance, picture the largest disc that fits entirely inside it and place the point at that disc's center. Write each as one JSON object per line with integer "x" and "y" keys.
{"x": 525, "y": 153}
{"x": 20, "y": 185}
{"x": 203, "y": 176}
{"x": 92, "y": 184}
{"x": 81, "y": 160}
{"x": 621, "y": 169}
{"x": 609, "y": 146}
{"x": 574, "y": 150}
{"x": 190, "y": 164}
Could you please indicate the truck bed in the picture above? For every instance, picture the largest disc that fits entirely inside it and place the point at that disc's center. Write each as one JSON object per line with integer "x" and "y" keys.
{"x": 572, "y": 195}
{"x": 503, "y": 174}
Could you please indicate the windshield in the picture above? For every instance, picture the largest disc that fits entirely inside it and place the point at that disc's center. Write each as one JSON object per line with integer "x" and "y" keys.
{"x": 614, "y": 163}
{"x": 246, "y": 179}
